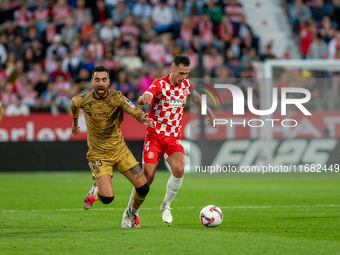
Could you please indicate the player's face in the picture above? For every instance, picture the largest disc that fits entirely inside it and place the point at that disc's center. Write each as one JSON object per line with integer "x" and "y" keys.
{"x": 100, "y": 81}
{"x": 179, "y": 73}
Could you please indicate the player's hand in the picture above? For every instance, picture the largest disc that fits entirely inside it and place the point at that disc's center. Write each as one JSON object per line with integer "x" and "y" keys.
{"x": 147, "y": 121}
{"x": 147, "y": 98}
{"x": 75, "y": 129}
{"x": 211, "y": 121}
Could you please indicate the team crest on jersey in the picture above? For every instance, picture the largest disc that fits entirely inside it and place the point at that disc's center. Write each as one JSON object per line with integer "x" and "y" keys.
{"x": 185, "y": 92}
{"x": 150, "y": 155}
{"x": 130, "y": 103}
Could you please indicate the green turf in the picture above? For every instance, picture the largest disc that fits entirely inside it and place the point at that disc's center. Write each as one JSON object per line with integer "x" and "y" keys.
{"x": 261, "y": 216}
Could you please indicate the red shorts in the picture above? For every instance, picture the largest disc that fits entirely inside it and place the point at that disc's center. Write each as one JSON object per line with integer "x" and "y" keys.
{"x": 155, "y": 145}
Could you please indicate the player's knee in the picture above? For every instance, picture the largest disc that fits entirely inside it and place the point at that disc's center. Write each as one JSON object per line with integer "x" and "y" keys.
{"x": 149, "y": 179}
{"x": 106, "y": 200}
{"x": 144, "y": 190}
{"x": 178, "y": 171}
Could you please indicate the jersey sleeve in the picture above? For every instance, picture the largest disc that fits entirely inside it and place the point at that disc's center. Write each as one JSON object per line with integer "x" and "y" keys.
{"x": 75, "y": 105}
{"x": 191, "y": 89}
{"x": 130, "y": 108}
{"x": 155, "y": 88}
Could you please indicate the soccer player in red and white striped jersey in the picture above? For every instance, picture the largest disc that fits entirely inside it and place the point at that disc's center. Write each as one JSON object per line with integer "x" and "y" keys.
{"x": 168, "y": 97}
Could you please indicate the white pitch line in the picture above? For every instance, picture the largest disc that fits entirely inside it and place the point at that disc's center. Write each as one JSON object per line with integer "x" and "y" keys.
{"x": 181, "y": 208}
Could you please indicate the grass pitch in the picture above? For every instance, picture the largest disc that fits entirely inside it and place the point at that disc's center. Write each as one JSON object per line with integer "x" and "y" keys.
{"x": 42, "y": 213}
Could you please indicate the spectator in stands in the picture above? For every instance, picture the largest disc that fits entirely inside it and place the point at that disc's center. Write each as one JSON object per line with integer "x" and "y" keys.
{"x": 22, "y": 17}
{"x": 297, "y": 13}
{"x": 3, "y": 54}
{"x": 8, "y": 96}
{"x": 334, "y": 44}
{"x": 247, "y": 58}
{"x": 327, "y": 31}
{"x": 128, "y": 30}
{"x": 10, "y": 64}
{"x": 35, "y": 73}
{"x": 147, "y": 32}
{"x": 142, "y": 10}
{"x": 214, "y": 11}
{"x": 306, "y": 36}
{"x": 6, "y": 14}
{"x": 57, "y": 46}
{"x": 95, "y": 48}
{"x": 194, "y": 7}
{"x": 336, "y": 11}
{"x": 154, "y": 51}
{"x": 28, "y": 59}
{"x": 87, "y": 30}
{"x": 109, "y": 32}
{"x": 69, "y": 32}
{"x": 17, "y": 108}
{"x": 319, "y": 11}
{"x": 59, "y": 71}
{"x": 49, "y": 33}
{"x": 29, "y": 95}
{"x": 120, "y": 13}
{"x": 318, "y": 48}
{"x": 100, "y": 14}
{"x": 60, "y": 12}
{"x": 132, "y": 63}
{"x": 80, "y": 13}
{"x": 206, "y": 30}
{"x": 268, "y": 53}
{"x": 125, "y": 86}
{"x": 186, "y": 33}
{"x": 162, "y": 17}
{"x": 41, "y": 86}
{"x": 41, "y": 16}
{"x": 235, "y": 46}
{"x": 38, "y": 52}
{"x": 234, "y": 11}
{"x": 17, "y": 47}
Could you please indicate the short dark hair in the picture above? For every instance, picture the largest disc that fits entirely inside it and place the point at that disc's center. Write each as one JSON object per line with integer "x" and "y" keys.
{"x": 181, "y": 60}
{"x": 100, "y": 69}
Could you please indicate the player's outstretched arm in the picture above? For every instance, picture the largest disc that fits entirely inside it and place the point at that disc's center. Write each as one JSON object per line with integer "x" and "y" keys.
{"x": 147, "y": 97}
{"x": 196, "y": 98}
{"x": 147, "y": 121}
{"x": 140, "y": 100}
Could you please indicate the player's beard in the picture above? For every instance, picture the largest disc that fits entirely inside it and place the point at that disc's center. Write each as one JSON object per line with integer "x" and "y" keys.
{"x": 101, "y": 94}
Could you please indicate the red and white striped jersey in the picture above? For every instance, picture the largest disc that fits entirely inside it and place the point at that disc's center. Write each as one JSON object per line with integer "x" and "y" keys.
{"x": 167, "y": 105}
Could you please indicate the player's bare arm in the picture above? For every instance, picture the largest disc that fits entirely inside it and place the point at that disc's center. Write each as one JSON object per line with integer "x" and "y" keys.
{"x": 196, "y": 98}
{"x": 147, "y": 121}
{"x": 140, "y": 100}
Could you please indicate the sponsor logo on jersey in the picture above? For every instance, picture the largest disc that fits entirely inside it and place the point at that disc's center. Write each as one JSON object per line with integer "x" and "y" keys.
{"x": 130, "y": 103}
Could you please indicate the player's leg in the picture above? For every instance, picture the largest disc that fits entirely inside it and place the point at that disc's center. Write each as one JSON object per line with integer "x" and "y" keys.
{"x": 102, "y": 190}
{"x": 150, "y": 157}
{"x": 149, "y": 170}
{"x": 137, "y": 178}
{"x": 177, "y": 162}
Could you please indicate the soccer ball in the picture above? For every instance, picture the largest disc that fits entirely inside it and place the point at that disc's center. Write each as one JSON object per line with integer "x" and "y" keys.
{"x": 211, "y": 216}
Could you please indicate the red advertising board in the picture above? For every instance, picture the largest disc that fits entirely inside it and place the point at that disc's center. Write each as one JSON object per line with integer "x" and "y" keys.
{"x": 47, "y": 127}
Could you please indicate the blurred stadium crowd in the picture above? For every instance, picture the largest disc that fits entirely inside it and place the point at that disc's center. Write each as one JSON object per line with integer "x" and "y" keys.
{"x": 317, "y": 22}
{"x": 48, "y": 48}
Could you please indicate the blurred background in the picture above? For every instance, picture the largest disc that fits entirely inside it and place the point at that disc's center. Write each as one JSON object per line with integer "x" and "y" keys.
{"x": 49, "y": 48}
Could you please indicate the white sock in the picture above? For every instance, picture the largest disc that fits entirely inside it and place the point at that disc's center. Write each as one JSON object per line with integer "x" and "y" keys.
{"x": 172, "y": 188}
{"x": 133, "y": 210}
{"x": 130, "y": 201}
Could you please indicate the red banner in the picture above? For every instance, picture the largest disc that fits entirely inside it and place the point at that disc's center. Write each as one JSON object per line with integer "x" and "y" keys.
{"x": 47, "y": 127}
